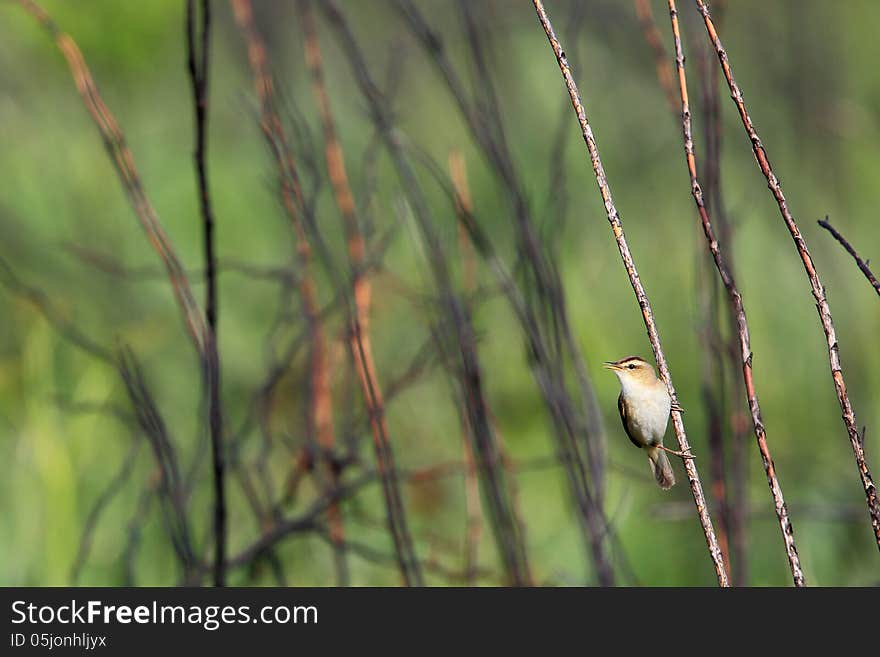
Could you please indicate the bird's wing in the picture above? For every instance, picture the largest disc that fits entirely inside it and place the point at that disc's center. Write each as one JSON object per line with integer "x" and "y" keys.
{"x": 622, "y": 408}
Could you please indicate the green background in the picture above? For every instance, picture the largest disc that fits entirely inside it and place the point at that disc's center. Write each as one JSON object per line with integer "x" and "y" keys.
{"x": 808, "y": 71}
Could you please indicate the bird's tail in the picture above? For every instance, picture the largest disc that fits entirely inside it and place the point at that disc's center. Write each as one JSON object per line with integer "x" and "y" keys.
{"x": 661, "y": 468}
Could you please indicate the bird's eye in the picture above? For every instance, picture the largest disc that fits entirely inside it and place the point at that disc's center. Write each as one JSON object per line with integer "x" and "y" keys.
{"x": 631, "y": 366}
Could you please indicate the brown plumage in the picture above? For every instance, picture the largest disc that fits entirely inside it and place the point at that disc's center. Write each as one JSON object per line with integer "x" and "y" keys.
{"x": 644, "y": 407}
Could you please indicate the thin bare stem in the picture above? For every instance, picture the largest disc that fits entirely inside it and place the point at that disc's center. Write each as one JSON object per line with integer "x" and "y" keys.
{"x": 123, "y": 161}
{"x": 721, "y": 350}
{"x": 454, "y": 334}
{"x": 863, "y": 265}
{"x": 361, "y": 289}
{"x": 641, "y": 295}
{"x": 56, "y": 318}
{"x": 543, "y": 315}
{"x": 737, "y": 304}
{"x": 712, "y": 384}
{"x": 822, "y": 307}
{"x": 320, "y": 417}
{"x": 198, "y": 48}
{"x": 170, "y": 483}
{"x": 146, "y": 414}
{"x": 359, "y": 337}
{"x": 661, "y": 60}
{"x": 473, "y": 524}
{"x": 101, "y": 503}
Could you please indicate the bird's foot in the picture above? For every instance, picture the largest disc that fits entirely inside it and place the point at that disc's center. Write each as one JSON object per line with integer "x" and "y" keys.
{"x": 684, "y": 455}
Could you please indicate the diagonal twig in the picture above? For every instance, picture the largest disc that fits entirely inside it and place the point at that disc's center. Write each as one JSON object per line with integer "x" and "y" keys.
{"x": 736, "y": 302}
{"x": 320, "y": 414}
{"x": 170, "y": 483}
{"x": 99, "y": 506}
{"x": 722, "y": 357}
{"x": 543, "y": 316}
{"x": 862, "y": 264}
{"x": 641, "y": 295}
{"x": 715, "y": 349}
{"x": 822, "y": 306}
{"x": 455, "y": 334}
{"x": 123, "y": 161}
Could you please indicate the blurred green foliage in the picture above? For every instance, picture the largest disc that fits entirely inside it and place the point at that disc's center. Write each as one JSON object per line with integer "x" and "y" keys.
{"x": 808, "y": 70}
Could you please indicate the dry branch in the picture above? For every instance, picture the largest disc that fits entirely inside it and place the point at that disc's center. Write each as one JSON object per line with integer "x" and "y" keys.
{"x": 822, "y": 307}
{"x": 540, "y": 307}
{"x": 361, "y": 289}
{"x": 194, "y": 320}
{"x": 712, "y": 385}
{"x": 736, "y": 303}
{"x": 474, "y": 524}
{"x": 597, "y": 527}
{"x": 113, "y": 488}
{"x": 170, "y": 482}
{"x": 464, "y": 209}
{"x": 723, "y": 350}
{"x": 66, "y": 328}
{"x": 454, "y": 332}
{"x": 321, "y": 408}
{"x": 661, "y": 60}
{"x": 320, "y": 415}
{"x": 641, "y": 295}
{"x": 862, "y": 264}
{"x": 198, "y": 41}
{"x": 123, "y": 162}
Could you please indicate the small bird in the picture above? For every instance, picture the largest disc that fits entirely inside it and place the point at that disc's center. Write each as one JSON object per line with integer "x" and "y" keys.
{"x": 644, "y": 406}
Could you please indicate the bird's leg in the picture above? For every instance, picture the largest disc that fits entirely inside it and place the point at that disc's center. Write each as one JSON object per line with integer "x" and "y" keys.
{"x": 684, "y": 455}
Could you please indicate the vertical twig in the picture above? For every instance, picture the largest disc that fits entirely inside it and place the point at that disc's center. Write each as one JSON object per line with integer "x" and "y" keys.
{"x": 320, "y": 414}
{"x": 361, "y": 289}
{"x": 170, "y": 483}
{"x": 641, "y": 295}
{"x": 174, "y": 510}
{"x": 822, "y": 307}
{"x": 737, "y": 304}
{"x": 543, "y": 316}
{"x": 712, "y": 384}
{"x": 359, "y": 320}
{"x": 661, "y": 60}
{"x": 473, "y": 525}
{"x": 198, "y": 48}
{"x": 459, "y": 351}
{"x": 733, "y": 500}
{"x": 714, "y": 390}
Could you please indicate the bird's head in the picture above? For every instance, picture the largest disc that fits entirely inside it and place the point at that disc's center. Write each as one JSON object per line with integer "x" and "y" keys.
{"x": 633, "y": 369}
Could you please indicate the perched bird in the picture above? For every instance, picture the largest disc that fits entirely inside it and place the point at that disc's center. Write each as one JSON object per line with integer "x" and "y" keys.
{"x": 644, "y": 406}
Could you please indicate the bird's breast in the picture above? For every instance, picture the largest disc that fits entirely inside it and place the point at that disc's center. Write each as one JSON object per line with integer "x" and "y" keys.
{"x": 648, "y": 413}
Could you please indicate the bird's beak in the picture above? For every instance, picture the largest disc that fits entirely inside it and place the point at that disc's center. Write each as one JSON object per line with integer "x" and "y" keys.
{"x": 608, "y": 365}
